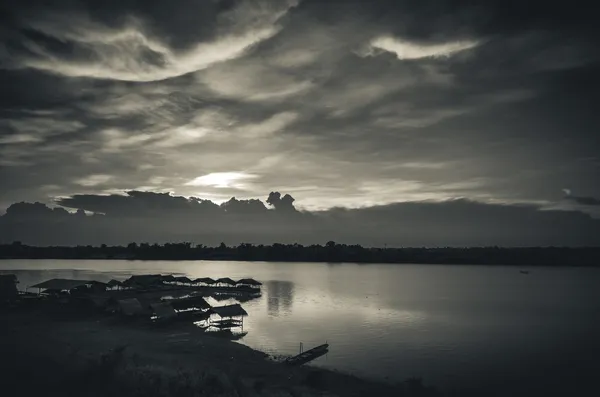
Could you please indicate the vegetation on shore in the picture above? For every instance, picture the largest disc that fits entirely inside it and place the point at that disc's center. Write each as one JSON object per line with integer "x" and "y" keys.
{"x": 330, "y": 252}
{"x": 116, "y": 373}
{"x": 66, "y": 355}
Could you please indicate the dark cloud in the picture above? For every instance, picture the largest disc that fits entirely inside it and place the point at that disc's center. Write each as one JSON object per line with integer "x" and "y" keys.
{"x": 583, "y": 200}
{"x": 285, "y": 203}
{"x": 137, "y": 204}
{"x": 428, "y": 18}
{"x": 154, "y": 217}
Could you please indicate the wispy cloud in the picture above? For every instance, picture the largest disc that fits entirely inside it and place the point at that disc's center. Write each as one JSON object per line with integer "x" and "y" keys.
{"x": 18, "y": 138}
{"x": 405, "y": 49}
{"x": 93, "y": 180}
{"x": 131, "y": 52}
{"x": 121, "y": 56}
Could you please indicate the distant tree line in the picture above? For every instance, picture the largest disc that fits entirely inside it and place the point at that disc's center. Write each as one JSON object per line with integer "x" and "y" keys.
{"x": 330, "y": 252}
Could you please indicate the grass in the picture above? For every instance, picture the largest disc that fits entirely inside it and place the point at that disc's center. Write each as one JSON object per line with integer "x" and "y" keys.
{"x": 41, "y": 357}
{"x": 117, "y": 373}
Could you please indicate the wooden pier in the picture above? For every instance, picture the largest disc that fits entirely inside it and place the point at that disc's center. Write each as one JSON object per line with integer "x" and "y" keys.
{"x": 308, "y": 355}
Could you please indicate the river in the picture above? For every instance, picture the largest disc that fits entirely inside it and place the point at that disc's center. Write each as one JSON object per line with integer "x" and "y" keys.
{"x": 449, "y": 324}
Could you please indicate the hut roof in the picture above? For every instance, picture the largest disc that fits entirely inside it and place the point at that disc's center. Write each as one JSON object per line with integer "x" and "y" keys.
{"x": 131, "y": 307}
{"x": 100, "y": 283}
{"x": 163, "y": 310}
{"x": 145, "y": 279}
{"x": 225, "y": 280}
{"x": 230, "y": 311}
{"x": 183, "y": 279}
{"x": 205, "y": 280}
{"x": 222, "y": 297}
{"x": 114, "y": 283}
{"x": 249, "y": 281}
{"x": 61, "y": 284}
{"x": 193, "y": 301}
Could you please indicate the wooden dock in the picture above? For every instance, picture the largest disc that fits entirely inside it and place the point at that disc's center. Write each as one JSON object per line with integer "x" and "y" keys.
{"x": 308, "y": 355}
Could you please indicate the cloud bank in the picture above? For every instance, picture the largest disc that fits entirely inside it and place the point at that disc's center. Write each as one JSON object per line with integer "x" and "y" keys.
{"x": 161, "y": 217}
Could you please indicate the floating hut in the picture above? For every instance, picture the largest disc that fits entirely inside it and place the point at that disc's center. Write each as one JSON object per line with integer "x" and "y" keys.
{"x": 163, "y": 311}
{"x": 204, "y": 280}
{"x": 222, "y": 297}
{"x": 116, "y": 284}
{"x": 168, "y": 278}
{"x": 93, "y": 286}
{"x": 100, "y": 302}
{"x": 61, "y": 284}
{"x": 131, "y": 307}
{"x": 193, "y": 302}
{"x": 249, "y": 282}
{"x": 144, "y": 281}
{"x": 183, "y": 280}
{"x": 226, "y": 281}
{"x": 228, "y": 316}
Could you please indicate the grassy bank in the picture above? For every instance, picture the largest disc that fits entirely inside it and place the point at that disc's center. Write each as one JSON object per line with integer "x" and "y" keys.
{"x": 48, "y": 354}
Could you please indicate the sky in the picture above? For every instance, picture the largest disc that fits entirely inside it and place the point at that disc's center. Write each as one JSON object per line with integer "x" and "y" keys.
{"x": 351, "y": 104}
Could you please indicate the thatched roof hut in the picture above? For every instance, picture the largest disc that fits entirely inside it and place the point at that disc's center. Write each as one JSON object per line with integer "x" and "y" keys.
{"x": 61, "y": 284}
{"x": 230, "y": 311}
{"x": 225, "y": 280}
{"x": 249, "y": 281}
{"x": 131, "y": 307}
{"x": 114, "y": 283}
{"x": 163, "y": 310}
{"x": 197, "y": 302}
{"x": 205, "y": 280}
{"x": 146, "y": 280}
{"x": 183, "y": 279}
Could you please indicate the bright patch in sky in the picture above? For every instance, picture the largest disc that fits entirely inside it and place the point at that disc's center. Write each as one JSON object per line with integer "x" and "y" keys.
{"x": 222, "y": 180}
{"x": 407, "y": 50}
{"x": 93, "y": 180}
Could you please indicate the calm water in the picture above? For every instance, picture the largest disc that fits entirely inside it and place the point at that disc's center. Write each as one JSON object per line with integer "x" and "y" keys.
{"x": 451, "y": 325}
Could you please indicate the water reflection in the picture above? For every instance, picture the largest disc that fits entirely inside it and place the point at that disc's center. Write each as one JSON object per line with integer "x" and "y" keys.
{"x": 240, "y": 298}
{"x": 280, "y": 295}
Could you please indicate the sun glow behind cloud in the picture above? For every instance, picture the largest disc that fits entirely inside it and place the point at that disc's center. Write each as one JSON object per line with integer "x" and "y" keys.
{"x": 222, "y": 180}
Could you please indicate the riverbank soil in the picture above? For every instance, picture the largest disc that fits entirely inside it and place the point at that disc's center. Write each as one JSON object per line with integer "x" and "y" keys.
{"x": 49, "y": 351}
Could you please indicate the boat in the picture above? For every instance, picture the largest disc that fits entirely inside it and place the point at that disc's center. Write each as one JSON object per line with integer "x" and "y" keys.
{"x": 308, "y": 355}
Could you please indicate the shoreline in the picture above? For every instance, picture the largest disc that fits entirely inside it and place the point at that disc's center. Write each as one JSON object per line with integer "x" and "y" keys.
{"x": 40, "y": 336}
{"x": 515, "y": 265}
